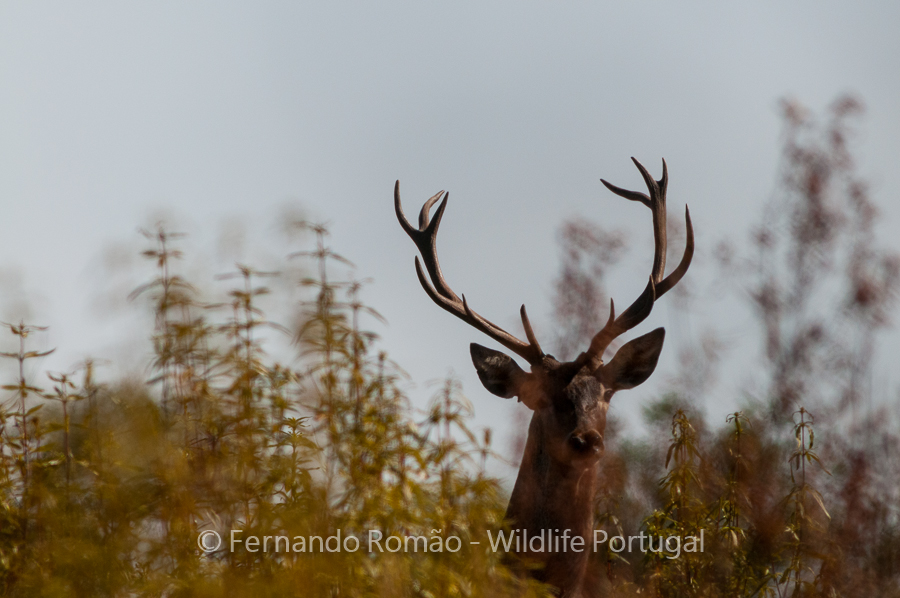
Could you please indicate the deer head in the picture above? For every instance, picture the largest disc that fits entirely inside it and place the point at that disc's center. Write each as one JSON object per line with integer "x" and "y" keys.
{"x": 572, "y": 396}
{"x": 569, "y": 399}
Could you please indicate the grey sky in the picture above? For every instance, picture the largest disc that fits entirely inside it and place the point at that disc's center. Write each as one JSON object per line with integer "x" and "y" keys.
{"x": 226, "y": 112}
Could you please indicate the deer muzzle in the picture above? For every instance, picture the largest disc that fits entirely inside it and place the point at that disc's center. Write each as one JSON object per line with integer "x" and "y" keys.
{"x": 586, "y": 442}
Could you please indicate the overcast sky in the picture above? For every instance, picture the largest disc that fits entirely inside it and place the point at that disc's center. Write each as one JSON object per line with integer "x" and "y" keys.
{"x": 223, "y": 115}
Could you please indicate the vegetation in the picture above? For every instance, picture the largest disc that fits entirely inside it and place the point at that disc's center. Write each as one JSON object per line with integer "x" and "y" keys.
{"x": 107, "y": 495}
{"x": 107, "y": 486}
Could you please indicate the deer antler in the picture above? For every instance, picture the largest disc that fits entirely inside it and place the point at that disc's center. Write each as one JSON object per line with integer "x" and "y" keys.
{"x": 657, "y": 286}
{"x": 425, "y": 238}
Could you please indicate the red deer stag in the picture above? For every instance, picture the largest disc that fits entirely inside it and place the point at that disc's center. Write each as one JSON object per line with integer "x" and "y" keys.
{"x": 558, "y": 477}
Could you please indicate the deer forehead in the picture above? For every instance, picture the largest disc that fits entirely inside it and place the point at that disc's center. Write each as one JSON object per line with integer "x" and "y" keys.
{"x": 585, "y": 393}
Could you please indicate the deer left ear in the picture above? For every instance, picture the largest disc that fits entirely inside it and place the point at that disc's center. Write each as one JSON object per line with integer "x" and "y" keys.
{"x": 634, "y": 362}
{"x": 500, "y": 374}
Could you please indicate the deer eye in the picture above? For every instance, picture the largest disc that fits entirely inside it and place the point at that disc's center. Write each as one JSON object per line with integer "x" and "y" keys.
{"x": 607, "y": 394}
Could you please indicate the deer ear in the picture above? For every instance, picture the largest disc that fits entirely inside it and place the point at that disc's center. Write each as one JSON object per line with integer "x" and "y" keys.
{"x": 634, "y": 362}
{"x": 500, "y": 374}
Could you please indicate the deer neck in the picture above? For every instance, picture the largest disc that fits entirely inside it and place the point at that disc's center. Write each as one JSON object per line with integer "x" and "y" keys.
{"x": 548, "y": 492}
{"x": 551, "y": 496}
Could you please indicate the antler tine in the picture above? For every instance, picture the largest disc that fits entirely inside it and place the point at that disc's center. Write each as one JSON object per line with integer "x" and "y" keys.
{"x": 529, "y": 332}
{"x": 672, "y": 279}
{"x": 425, "y": 238}
{"x": 636, "y": 313}
{"x": 423, "y": 213}
{"x": 632, "y": 195}
{"x": 657, "y": 286}
{"x": 656, "y": 201}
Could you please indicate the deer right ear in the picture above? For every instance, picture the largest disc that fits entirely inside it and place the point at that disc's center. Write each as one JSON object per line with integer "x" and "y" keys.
{"x": 634, "y": 362}
{"x": 500, "y": 374}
